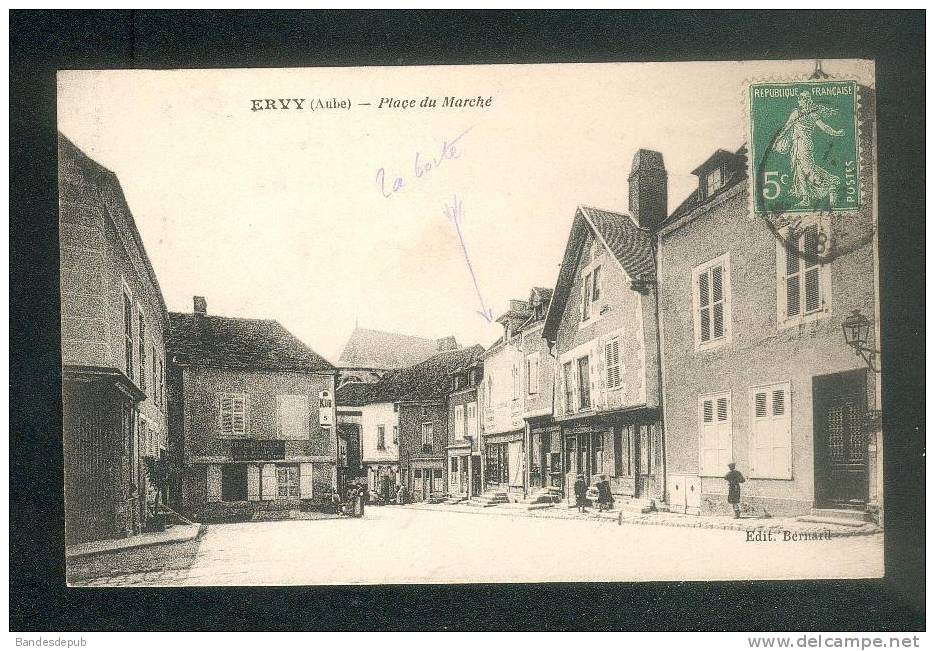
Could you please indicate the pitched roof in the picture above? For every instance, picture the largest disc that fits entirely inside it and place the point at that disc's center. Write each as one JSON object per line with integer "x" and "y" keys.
{"x": 735, "y": 171}
{"x": 630, "y": 245}
{"x": 353, "y": 394}
{"x": 368, "y": 348}
{"x": 426, "y": 380}
{"x": 115, "y": 202}
{"x": 248, "y": 344}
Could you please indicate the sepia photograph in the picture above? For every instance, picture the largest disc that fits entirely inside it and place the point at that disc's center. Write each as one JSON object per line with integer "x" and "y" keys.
{"x": 515, "y": 323}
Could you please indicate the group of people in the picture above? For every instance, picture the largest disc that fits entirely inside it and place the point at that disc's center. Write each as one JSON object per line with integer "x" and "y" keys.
{"x": 605, "y": 499}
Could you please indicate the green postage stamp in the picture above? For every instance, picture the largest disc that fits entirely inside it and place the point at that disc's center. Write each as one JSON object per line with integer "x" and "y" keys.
{"x": 804, "y": 146}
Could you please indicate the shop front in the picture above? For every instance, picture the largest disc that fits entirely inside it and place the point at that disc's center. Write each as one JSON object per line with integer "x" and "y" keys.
{"x": 625, "y": 447}
{"x": 545, "y": 457}
{"x": 504, "y": 466}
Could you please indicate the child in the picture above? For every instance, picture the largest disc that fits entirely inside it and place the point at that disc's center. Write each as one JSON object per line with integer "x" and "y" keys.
{"x": 734, "y": 479}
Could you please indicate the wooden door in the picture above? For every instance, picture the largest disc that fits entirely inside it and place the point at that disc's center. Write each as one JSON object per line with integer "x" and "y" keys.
{"x": 624, "y": 457}
{"x": 839, "y": 403}
{"x": 646, "y": 445}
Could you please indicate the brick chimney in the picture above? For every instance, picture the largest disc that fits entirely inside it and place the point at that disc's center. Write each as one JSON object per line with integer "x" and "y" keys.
{"x": 447, "y": 343}
{"x": 201, "y": 305}
{"x": 649, "y": 189}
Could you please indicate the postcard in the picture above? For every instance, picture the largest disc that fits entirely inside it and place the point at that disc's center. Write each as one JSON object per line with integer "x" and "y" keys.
{"x": 471, "y": 324}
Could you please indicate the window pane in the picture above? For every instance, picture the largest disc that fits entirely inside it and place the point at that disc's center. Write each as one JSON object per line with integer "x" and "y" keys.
{"x": 716, "y": 289}
{"x": 812, "y": 290}
{"x": 793, "y": 304}
{"x": 810, "y": 244}
{"x": 584, "y": 382}
{"x": 718, "y": 320}
{"x": 792, "y": 254}
{"x": 706, "y": 324}
{"x": 703, "y": 295}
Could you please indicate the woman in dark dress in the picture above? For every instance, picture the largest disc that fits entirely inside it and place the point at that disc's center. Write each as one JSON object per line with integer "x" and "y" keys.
{"x": 581, "y": 494}
{"x": 734, "y": 479}
{"x": 604, "y": 499}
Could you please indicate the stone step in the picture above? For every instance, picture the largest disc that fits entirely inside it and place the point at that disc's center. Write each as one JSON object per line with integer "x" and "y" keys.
{"x": 843, "y": 514}
{"x": 527, "y": 506}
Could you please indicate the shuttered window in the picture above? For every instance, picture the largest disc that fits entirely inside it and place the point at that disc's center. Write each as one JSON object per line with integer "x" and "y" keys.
{"x": 472, "y": 419}
{"x": 292, "y": 417}
{"x": 232, "y": 417}
{"x": 612, "y": 363}
{"x": 771, "y": 432}
{"x": 428, "y": 431}
{"x": 584, "y": 383}
{"x": 128, "y": 334}
{"x": 715, "y": 436}
{"x": 569, "y": 383}
{"x": 395, "y": 434}
{"x": 532, "y": 373}
{"x": 142, "y": 352}
{"x": 459, "y": 424}
{"x": 711, "y": 302}
{"x": 803, "y": 281}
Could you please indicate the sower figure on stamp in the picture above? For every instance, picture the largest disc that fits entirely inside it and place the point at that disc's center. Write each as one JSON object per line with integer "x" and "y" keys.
{"x": 734, "y": 479}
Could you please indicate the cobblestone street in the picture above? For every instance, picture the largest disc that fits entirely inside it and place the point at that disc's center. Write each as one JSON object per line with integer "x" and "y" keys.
{"x": 408, "y": 545}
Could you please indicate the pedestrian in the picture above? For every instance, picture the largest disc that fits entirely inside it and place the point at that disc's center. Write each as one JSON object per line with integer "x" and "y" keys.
{"x": 605, "y": 500}
{"x": 581, "y": 493}
{"x": 734, "y": 479}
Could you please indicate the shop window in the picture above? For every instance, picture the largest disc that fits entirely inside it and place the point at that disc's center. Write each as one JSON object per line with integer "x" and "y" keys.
{"x": 287, "y": 481}
{"x": 234, "y": 482}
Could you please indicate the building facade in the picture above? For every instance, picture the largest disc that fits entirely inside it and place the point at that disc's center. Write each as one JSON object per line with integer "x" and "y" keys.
{"x": 503, "y": 438}
{"x": 253, "y": 426}
{"x": 114, "y": 321}
{"x": 757, "y": 370}
{"x": 601, "y": 328}
{"x": 376, "y": 424}
{"x": 464, "y": 463}
{"x": 419, "y": 394}
{"x": 543, "y": 434}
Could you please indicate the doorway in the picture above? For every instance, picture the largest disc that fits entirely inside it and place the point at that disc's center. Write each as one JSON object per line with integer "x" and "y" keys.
{"x": 840, "y": 404}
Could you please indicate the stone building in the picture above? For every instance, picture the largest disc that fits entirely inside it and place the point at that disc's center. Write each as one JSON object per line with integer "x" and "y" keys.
{"x": 543, "y": 435}
{"x": 755, "y": 362}
{"x": 502, "y": 402}
{"x": 114, "y": 322}
{"x": 376, "y": 424}
{"x": 601, "y": 329}
{"x": 419, "y": 395}
{"x": 252, "y": 420}
{"x": 464, "y": 463}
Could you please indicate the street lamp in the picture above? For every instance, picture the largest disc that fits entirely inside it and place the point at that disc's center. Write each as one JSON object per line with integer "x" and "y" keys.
{"x": 856, "y": 334}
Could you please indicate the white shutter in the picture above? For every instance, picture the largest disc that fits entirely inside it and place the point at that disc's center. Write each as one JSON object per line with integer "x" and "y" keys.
{"x": 707, "y": 435}
{"x": 725, "y": 443}
{"x": 770, "y": 412}
{"x": 781, "y": 434}
{"x": 594, "y": 375}
{"x": 305, "y": 481}
{"x": 214, "y": 483}
{"x": 270, "y": 482}
{"x": 225, "y": 414}
{"x": 472, "y": 419}
{"x": 459, "y": 421}
{"x": 253, "y": 482}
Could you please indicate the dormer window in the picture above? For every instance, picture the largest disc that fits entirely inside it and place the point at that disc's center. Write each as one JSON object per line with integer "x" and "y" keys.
{"x": 714, "y": 180}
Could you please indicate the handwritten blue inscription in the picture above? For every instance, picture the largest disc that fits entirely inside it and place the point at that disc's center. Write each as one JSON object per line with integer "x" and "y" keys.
{"x": 421, "y": 166}
{"x": 455, "y": 212}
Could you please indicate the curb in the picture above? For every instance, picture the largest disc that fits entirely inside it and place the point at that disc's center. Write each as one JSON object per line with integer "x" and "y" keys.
{"x": 644, "y": 521}
{"x": 202, "y": 529}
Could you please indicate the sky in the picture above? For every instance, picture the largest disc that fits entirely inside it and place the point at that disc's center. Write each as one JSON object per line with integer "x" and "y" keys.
{"x": 281, "y": 214}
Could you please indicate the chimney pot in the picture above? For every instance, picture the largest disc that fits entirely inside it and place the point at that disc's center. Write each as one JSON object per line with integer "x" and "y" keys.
{"x": 201, "y": 305}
